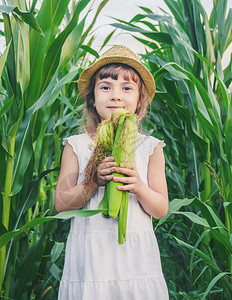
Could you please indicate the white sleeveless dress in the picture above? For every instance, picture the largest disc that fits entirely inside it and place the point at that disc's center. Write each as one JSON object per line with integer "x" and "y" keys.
{"x": 96, "y": 266}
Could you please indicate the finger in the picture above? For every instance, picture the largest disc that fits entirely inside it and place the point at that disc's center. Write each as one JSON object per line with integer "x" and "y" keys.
{"x": 103, "y": 172}
{"x": 125, "y": 165}
{"x": 125, "y": 171}
{"x": 125, "y": 180}
{"x": 108, "y": 159}
{"x": 107, "y": 177}
{"x": 128, "y": 187}
{"x": 128, "y": 166}
{"x": 107, "y": 165}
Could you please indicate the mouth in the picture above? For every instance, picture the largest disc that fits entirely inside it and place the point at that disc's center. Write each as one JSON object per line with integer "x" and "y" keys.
{"x": 114, "y": 107}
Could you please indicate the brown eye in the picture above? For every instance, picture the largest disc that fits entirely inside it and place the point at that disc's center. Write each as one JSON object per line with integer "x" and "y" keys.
{"x": 105, "y": 88}
{"x": 127, "y": 88}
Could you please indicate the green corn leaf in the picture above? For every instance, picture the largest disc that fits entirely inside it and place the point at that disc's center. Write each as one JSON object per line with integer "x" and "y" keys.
{"x": 150, "y": 26}
{"x": 28, "y": 18}
{"x": 25, "y": 16}
{"x": 3, "y": 229}
{"x": 55, "y": 272}
{"x": 76, "y": 213}
{"x": 38, "y": 48}
{"x": 33, "y": 6}
{"x": 177, "y": 11}
{"x": 14, "y": 128}
{"x": 129, "y": 24}
{"x": 201, "y": 237}
{"x": 52, "y": 58}
{"x": 147, "y": 43}
{"x": 31, "y": 196}
{"x": 225, "y": 94}
{"x": 6, "y": 106}
{"x": 25, "y": 274}
{"x": 195, "y": 137}
{"x": 213, "y": 282}
{"x": 202, "y": 272}
{"x": 136, "y": 18}
{"x": 194, "y": 218}
{"x": 100, "y": 7}
{"x": 71, "y": 44}
{"x": 228, "y": 137}
{"x": 23, "y": 56}
{"x": 90, "y": 50}
{"x": 207, "y": 259}
{"x": 222, "y": 239}
{"x": 159, "y": 18}
{"x": 209, "y": 44}
{"x": 226, "y": 37}
{"x": 205, "y": 110}
{"x": 3, "y": 58}
{"x": 107, "y": 39}
{"x": 62, "y": 120}
{"x": 11, "y": 67}
{"x": 174, "y": 206}
{"x": 59, "y": 7}
{"x": 177, "y": 178}
{"x": 67, "y": 102}
{"x": 146, "y": 9}
{"x": 198, "y": 28}
{"x": 160, "y": 37}
{"x": 7, "y": 237}
{"x": 211, "y": 216}
{"x": 228, "y": 73}
{"x": 49, "y": 17}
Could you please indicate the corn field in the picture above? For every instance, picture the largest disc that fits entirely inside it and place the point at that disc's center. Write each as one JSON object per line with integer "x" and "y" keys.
{"x": 48, "y": 44}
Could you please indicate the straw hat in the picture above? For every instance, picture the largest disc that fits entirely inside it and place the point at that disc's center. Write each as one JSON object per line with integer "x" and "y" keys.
{"x": 117, "y": 54}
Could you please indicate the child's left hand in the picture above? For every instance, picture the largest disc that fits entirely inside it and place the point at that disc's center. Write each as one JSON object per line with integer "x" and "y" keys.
{"x": 132, "y": 182}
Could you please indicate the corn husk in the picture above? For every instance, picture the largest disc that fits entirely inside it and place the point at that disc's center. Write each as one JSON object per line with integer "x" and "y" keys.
{"x": 116, "y": 137}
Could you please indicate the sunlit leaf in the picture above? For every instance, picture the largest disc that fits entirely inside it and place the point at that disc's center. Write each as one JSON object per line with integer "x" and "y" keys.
{"x": 5, "y": 238}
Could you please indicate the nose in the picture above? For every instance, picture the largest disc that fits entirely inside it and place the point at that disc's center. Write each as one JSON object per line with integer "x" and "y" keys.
{"x": 116, "y": 94}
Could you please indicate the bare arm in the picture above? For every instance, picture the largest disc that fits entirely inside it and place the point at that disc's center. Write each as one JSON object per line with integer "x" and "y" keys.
{"x": 68, "y": 195}
{"x": 154, "y": 197}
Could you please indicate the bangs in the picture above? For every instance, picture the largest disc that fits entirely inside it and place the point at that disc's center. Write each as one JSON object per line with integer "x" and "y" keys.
{"x": 112, "y": 71}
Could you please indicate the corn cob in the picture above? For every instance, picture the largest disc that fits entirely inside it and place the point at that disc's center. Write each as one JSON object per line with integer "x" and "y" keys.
{"x": 116, "y": 137}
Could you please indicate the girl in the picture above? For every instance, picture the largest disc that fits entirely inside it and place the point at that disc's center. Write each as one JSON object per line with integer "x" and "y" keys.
{"x": 96, "y": 266}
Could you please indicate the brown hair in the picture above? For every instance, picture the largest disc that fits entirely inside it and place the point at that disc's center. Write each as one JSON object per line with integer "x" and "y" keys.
{"x": 112, "y": 70}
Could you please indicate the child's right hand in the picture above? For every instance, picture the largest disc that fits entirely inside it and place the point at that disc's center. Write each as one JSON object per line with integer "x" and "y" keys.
{"x": 105, "y": 170}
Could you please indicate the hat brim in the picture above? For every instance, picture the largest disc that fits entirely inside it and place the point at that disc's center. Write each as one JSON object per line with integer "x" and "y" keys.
{"x": 148, "y": 80}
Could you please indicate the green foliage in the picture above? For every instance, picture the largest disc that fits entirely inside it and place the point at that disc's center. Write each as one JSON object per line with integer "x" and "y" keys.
{"x": 38, "y": 106}
{"x": 192, "y": 113}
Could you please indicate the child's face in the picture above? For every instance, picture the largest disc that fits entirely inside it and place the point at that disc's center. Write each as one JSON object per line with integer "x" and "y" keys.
{"x": 111, "y": 94}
